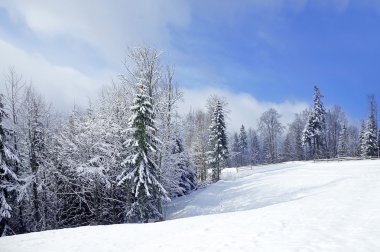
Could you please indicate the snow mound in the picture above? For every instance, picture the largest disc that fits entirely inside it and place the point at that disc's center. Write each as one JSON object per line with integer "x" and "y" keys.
{"x": 296, "y": 206}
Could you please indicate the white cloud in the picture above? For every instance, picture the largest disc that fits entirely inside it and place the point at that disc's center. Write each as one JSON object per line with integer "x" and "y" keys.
{"x": 244, "y": 108}
{"x": 61, "y": 85}
{"x": 107, "y": 26}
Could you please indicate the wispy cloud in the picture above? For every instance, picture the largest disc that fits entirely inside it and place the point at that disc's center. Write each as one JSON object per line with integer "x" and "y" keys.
{"x": 61, "y": 85}
{"x": 102, "y": 28}
{"x": 107, "y": 26}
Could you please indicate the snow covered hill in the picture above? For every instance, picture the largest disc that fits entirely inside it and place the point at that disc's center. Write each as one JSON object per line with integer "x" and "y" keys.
{"x": 297, "y": 206}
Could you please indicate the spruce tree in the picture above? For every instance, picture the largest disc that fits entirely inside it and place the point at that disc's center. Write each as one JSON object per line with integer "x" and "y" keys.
{"x": 369, "y": 139}
{"x": 217, "y": 141}
{"x": 314, "y": 130}
{"x": 369, "y": 146}
{"x": 141, "y": 174}
{"x": 8, "y": 179}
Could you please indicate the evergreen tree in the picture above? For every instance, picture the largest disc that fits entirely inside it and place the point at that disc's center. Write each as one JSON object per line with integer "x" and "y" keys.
{"x": 243, "y": 145}
{"x": 141, "y": 174}
{"x": 343, "y": 142}
{"x": 369, "y": 139}
{"x": 313, "y": 134}
{"x": 217, "y": 141}
{"x": 8, "y": 179}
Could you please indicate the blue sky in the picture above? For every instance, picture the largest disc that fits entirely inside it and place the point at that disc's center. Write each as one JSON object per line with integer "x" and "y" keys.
{"x": 257, "y": 53}
{"x": 281, "y": 54}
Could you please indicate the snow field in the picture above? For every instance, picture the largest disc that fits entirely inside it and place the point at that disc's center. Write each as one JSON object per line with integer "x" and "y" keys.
{"x": 295, "y": 206}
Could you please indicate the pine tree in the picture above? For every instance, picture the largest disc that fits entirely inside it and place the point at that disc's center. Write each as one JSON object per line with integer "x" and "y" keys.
{"x": 343, "y": 142}
{"x": 307, "y": 137}
{"x": 243, "y": 145}
{"x": 8, "y": 179}
{"x": 217, "y": 141}
{"x": 369, "y": 139}
{"x": 141, "y": 174}
{"x": 313, "y": 134}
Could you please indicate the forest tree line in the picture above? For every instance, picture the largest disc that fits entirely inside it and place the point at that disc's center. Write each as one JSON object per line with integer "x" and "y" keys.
{"x": 315, "y": 133}
{"x": 125, "y": 155}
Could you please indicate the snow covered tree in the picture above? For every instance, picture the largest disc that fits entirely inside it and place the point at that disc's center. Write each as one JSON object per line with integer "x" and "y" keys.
{"x": 335, "y": 118}
{"x": 217, "y": 141}
{"x": 36, "y": 161}
{"x": 369, "y": 139}
{"x": 179, "y": 177}
{"x": 361, "y": 137}
{"x": 196, "y": 134}
{"x": 141, "y": 174}
{"x": 254, "y": 147}
{"x": 287, "y": 149}
{"x": 343, "y": 142}
{"x": 313, "y": 134}
{"x": 8, "y": 178}
{"x": 270, "y": 129}
{"x": 243, "y": 145}
{"x": 353, "y": 141}
{"x": 234, "y": 155}
{"x": 294, "y": 135}
{"x": 14, "y": 87}
{"x": 177, "y": 171}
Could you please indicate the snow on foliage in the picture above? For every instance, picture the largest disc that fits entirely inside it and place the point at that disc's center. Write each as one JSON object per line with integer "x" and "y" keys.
{"x": 141, "y": 174}
{"x": 8, "y": 179}
{"x": 217, "y": 141}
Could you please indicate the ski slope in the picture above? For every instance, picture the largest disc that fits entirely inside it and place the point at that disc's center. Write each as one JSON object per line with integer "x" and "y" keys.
{"x": 296, "y": 206}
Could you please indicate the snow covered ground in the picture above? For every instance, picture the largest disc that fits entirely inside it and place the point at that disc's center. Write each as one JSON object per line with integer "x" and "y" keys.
{"x": 297, "y": 206}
